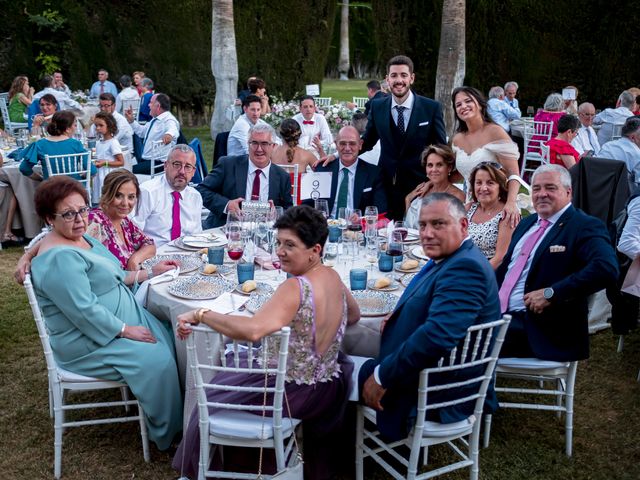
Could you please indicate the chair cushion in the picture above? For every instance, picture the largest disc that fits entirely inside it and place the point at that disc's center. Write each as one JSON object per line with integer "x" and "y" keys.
{"x": 239, "y": 424}
{"x": 530, "y": 364}
{"x": 435, "y": 429}
{"x": 67, "y": 376}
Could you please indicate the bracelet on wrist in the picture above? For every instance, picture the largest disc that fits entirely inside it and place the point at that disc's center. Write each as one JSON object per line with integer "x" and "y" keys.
{"x": 124, "y": 327}
{"x": 199, "y": 314}
{"x": 149, "y": 271}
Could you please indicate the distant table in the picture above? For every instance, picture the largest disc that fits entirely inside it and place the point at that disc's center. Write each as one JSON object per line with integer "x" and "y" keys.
{"x": 24, "y": 189}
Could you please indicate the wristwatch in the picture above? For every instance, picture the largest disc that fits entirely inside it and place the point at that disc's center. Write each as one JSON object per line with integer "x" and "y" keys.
{"x": 547, "y": 293}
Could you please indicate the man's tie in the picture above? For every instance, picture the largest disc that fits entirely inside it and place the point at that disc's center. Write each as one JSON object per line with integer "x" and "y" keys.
{"x": 101, "y": 88}
{"x": 593, "y": 148}
{"x": 400, "y": 122}
{"x": 176, "y": 228}
{"x": 308, "y": 122}
{"x": 513, "y": 275}
{"x": 343, "y": 191}
{"x": 255, "y": 190}
{"x": 146, "y": 135}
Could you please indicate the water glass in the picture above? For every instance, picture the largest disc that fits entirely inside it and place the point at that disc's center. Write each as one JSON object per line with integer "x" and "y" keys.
{"x": 334, "y": 234}
{"x": 215, "y": 255}
{"x": 322, "y": 205}
{"x": 330, "y": 254}
{"x": 385, "y": 262}
{"x": 245, "y": 271}
{"x": 358, "y": 279}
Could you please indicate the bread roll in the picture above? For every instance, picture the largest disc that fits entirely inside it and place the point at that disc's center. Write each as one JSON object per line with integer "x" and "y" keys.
{"x": 210, "y": 269}
{"x": 382, "y": 282}
{"x": 409, "y": 264}
{"x": 203, "y": 251}
{"x": 249, "y": 286}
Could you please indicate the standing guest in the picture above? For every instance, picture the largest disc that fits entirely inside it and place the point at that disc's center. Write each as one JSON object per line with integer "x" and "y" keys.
{"x": 611, "y": 118}
{"x": 124, "y": 135}
{"x": 500, "y": 111}
{"x": 65, "y": 102}
{"x": 487, "y": 227}
{"x": 137, "y": 78}
{"x": 571, "y": 105}
{"x": 439, "y": 162}
{"x": 128, "y": 92}
{"x": 291, "y": 153}
{"x": 146, "y": 87}
{"x": 258, "y": 87}
{"x": 586, "y": 142}
{"x": 59, "y": 83}
{"x": 103, "y": 85}
{"x": 20, "y": 97}
{"x": 161, "y": 133}
{"x": 108, "y": 151}
{"x": 556, "y": 259}
{"x": 48, "y": 105}
{"x": 315, "y": 129}
{"x": 626, "y": 148}
{"x": 510, "y": 92}
{"x": 237, "y": 141}
{"x": 374, "y": 92}
{"x": 169, "y": 207}
{"x": 561, "y": 152}
{"x": 551, "y": 112}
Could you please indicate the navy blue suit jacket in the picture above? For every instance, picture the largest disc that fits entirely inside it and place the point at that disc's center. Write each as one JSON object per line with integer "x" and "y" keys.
{"x": 430, "y": 319}
{"x": 227, "y": 180}
{"x": 576, "y": 259}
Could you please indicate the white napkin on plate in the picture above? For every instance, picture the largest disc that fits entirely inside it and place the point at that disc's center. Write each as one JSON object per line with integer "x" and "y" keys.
{"x": 168, "y": 276}
{"x": 227, "y": 303}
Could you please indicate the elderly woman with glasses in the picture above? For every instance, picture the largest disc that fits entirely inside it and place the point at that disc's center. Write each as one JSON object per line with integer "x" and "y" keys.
{"x": 488, "y": 227}
{"x": 96, "y": 327}
{"x": 561, "y": 152}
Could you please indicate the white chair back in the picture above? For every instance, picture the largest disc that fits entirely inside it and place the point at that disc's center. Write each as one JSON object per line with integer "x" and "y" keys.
{"x": 536, "y": 134}
{"x": 616, "y": 131}
{"x": 323, "y": 101}
{"x": 10, "y": 127}
{"x": 545, "y": 153}
{"x": 293, "y": 170}
{"x": 72, "y": 164}
{"x": 133, "y": 104}
{"x": 360, "y": 101}
{"x": 159, "y": 153}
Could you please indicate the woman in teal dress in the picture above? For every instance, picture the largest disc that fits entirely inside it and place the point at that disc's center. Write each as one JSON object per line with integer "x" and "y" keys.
{"x": 59, "y": 142}
{"x": 96, "y": 327}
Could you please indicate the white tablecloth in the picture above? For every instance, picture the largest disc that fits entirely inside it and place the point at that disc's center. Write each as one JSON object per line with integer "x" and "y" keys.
{"x": 24, "y": 189}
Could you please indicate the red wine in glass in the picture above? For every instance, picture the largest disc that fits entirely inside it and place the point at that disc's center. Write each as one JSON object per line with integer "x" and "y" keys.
{"x": 235, "y": 253}
{"x": 276, "y": 263}
{"x": 354, "y": 227}
{"x": 402, "y": 231}
{"x": 394, "y": 249}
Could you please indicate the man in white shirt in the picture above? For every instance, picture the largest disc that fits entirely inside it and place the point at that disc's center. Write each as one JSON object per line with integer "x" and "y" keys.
{"x": 65, "y": 102}
{"x": 315, "y": 130}
{"x": 169, "y": 207}
{"x": 510, "y": 91}
{"x": 499, "y": 110}
{"x": 587, "y": 139}
{"x": 237, "y": 141}
{"x": 612, "y": 118}
{"x": 158, "y": 135}
{"x": 59, "y": 83}
{"x": 125, "y": 132}
{"x": 103, "y": 85}
{"x": 626, "y": 148}
{"x": 128, "y": 92}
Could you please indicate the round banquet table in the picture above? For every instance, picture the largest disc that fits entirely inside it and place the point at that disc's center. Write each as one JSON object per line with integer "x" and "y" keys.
{"x": 24, "y": 189}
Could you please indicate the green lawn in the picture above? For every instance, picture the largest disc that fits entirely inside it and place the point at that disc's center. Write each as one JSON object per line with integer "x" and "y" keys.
{"x": 343, "y": 91}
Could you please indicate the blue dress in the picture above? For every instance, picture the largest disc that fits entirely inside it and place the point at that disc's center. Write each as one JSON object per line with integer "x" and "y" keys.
{"x": 84, "y": 302}
{"x": 35, "y": 153}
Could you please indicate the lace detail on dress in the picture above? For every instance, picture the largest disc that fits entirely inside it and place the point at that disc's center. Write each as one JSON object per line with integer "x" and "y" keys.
{"x": 484, "y": 235}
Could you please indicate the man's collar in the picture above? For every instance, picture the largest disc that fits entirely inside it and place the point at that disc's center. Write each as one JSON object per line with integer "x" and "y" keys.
{"x": 351, "y": 168}
{"x": 556, "y": 216}
{"x": 408, "y": 102}
{"x": 253, "y": 167}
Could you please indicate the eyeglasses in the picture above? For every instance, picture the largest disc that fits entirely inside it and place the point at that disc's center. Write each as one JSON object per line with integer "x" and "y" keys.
{"x": 262, "y": 145}
{"x": 106, "y": 105}
{"x": 587, "y": 114}
{"x": 179, "y": 166}
{"x": 344, "y": 143}
{"x": 70, "y": 215}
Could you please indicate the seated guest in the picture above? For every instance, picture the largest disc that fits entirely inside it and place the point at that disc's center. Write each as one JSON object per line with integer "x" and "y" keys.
{"x": 252, "y": 177}
{"x": 610, "y": 118}
{"x": 242, "y": 94}
{"x": 59, "y": 142}
{"x": 103, "y": 85}
{"x": 137, "y": 78}
{"x": 315, "y": 129}
{"x": 124, "y": 134}
{"x": 556, "y": 259}
{"x": 20, "y": 95}
{"x": 58, "y": 83}
{"x": 453, "y": 291}
{"x": 11, "y": 207}
{"x": 317, "y": 306}
{"x": 237, "y": 141}
{"x": 373, "y": 93}
{"x": 258, "y": 87}
{"x": 439, "y": 162}
{"x": 500, "y": 111}
{"x": 290, "y": 153}
{"x": 96, "y": 327}
{"x": 626, "y": 148}
{"x": 144, "y": 114}
{"x": 586, "y": 141}
{"x": 510, "y": 92}
{"x": 108, "y": 152}
{"x": 354, "y": 184}
{"x": 128, "y": 92}
{"x": 561, "y": 152}
{"x": 551, "y": 112}
{"x": 48, "y": 106}
{"x": 65, "y": 102}
{"x": 162, "y": 130}
{"x": 487, "y": 227}
{"x": 168, "y": 206}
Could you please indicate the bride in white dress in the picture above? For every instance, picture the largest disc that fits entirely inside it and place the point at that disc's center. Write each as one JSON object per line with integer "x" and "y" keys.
{"x": 479, "y": 139}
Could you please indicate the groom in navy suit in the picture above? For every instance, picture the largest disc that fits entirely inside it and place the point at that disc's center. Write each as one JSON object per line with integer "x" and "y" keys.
{"x": 405, "y": 124}
{"x": 454, "y": 290}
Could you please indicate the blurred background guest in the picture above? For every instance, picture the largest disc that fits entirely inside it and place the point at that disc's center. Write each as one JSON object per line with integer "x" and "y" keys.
{"x": 571, "y": 104}
{"x": 137, "y": 81}
{"x": 291, "y": 153}
{"x": 20, "y": 97}
{"x": 551, "y": 111}
{"x": 128, "y": 92}
{"x": 561, "y": 152}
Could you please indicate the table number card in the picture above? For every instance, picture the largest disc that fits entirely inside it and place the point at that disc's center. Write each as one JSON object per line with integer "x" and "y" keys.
{"x": 313, "y": 90}
{"x": 315, "y": 185}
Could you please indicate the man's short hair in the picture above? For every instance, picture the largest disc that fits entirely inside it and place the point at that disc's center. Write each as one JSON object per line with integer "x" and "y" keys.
{"x": 565, "y": 177}
{"x": 147, "y": 83}
{"x": 255, "y": 83}
{"x": 496, "y": 92}
{"x": 262, "y": 128}
{"x": 400, "y": 60}
{"x": 511, "y": 84}
{"x": 103, "y": 70}
{"x": 359, "y": 121}
{"x": 164, "y": 101}
{"x": 373, "y": 85}
{"x": 307, "y": 97}
{"x": 583, "y": 106}
{"x": 108, "y": 97}
{"x": 125, "y": 81}
{"x": 46, "y": 81}
{"x": 627, "y": 99}
{"x": 631, "y": 125}
{"x": 456, "y": 208}
{"x": 182, "y": 148}
{"x": 249, "y": 99}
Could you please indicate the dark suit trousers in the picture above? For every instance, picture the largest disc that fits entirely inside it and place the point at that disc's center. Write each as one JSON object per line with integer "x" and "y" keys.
{"x": 516, "y": 343}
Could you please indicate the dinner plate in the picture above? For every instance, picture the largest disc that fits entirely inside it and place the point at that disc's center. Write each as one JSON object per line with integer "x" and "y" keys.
{"x": 374, "y": 304}
{"x": 398, "y": 268}
{"x": 256, "y": 301}
{"x": 221, "y": 270}
{"x": 418, "y": 252}
{"x": 406, "y": 279}
{"x": 261, "y": 289}
{"x": 198, "y": 287}
{"x": 188, "y": 263}
{"x": 178, "y": 243}
{"x": 203, "y": 240}
{"x": 394, "y": 285}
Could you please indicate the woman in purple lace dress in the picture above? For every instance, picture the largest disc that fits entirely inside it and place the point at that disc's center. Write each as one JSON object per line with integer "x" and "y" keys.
{"x": 317, "y": 306}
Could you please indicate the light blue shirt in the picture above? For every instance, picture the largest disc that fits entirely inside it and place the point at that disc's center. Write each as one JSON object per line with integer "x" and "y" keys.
{"x": 625, "y": 150}
{"x": 609, "y": 119}
{"x": 502, "y": 113}
{"x": 629, "y": 243}
{"x": 109, "y": 87}
{"x": 513, "y": 104}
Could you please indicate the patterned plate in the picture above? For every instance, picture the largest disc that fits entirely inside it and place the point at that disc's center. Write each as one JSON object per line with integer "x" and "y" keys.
{"x": 418, "y": 252}
{"x": 256, "y": 300}
{"x": 198, "y": 287}
{"x": 261, "y": 289}
{"x": 406, "y": 279}
{"x": 389, "y": 288}
{"x": 188, "y": 263}
{"x": 375, "y": 304}
{"x": 221, "y": 270}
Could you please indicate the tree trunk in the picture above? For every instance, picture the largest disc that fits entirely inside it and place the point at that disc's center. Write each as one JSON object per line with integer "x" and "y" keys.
{"x": 224, "y": 64}
{"x": 343, "y": 61}
{"x": 451, "y": 57}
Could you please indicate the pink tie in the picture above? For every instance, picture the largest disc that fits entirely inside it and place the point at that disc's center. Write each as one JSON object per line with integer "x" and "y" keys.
{"x": 176, "y": 228}
{"x": 513, "y": 275}
{"x": 255, "y": 190}
{"x": 101, "y": 88}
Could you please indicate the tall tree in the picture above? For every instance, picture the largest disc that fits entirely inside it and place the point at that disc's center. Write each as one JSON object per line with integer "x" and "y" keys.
{"x": 451, "y": 57}
{"x": 343, "y": 61}
{"x": 224, "y": 64}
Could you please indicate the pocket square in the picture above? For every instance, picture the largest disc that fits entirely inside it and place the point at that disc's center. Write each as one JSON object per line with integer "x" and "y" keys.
{"x": 367, "y": 190}
{"x": 557, "y": 248}
{"x": 423, "y": 124}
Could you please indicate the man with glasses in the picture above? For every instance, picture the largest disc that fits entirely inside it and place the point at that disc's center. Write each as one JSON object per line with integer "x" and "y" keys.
{"x": 169, "y": 207}
{"x": 586, "y": 140}
{"x": 125, "y": 132}
{"x": 252, "y": 177}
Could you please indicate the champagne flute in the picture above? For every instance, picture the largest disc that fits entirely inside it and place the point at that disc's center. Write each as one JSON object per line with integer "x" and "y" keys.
{"x": 354, "y": 225}
{"x": 371, "y": 217}
{"x": 372, "y": 252}
{"x": 322, "y": 205}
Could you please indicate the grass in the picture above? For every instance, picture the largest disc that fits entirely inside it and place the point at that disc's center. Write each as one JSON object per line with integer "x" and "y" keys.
{"x": 523, "y": 444}
{"x": 343, "y": 91}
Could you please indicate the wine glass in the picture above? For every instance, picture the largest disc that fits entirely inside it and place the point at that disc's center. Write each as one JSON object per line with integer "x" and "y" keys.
{"x": 372, "y": 251}
{"x": 371, "y": 217}
{"x": 235, "y": 248}
{"x": 529, "y": 111}
{"x": 275, "y": 259}
{"x": 234, "y": 223}
{"x": 401, "y": 227}
{"x": 322, "y": 205}
{"x": 354, "y": 225}
{"x": 330, "y": 254}
{"x": 394, "y": 248}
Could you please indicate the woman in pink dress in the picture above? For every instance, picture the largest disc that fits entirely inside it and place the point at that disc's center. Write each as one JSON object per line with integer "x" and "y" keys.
{"x": 561, "y": 152}
{"x": 552, "y": 110}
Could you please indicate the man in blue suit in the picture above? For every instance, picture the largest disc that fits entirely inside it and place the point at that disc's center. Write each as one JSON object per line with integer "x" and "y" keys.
{"x": 405, "y": 124}
{"x": 252, "y": 177}
{"x": 454, "y": 290}
{"x": 556, "y": 259}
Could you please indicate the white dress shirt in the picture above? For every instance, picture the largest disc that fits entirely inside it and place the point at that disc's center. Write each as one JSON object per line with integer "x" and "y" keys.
{"x": 408, "y": 106}
{"x": 264, "y": 182}
{"x": 129, "y": 93}
{"x": 372, "y": 156}
{"x": 237, "y": 143}
{"x": 124, "y": 135}
{"x": 320, "y": 126}
{"x": 155, "y": 210}
{"x": 502, "y": 113}
{"x": 586, "y": 140}
{"x": 608, "y": 118}
{"x": 629, "y": 243}
{"x": 154, "y": 130}
{"x": 65, "y": 102}
{"x": 516, "y": 299}
{"x": 352, "y": 177}
{"x": 64, "y": 89}
{"x": 625, "y": 150}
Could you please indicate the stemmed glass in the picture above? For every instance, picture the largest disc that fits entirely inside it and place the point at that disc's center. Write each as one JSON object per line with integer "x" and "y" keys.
{"x": 354, "y": 225}
{"x": 322, "y": 205}
{"x": 330, "y": 254}
{"x": 234, "y": 224}
{"x": 372, "y": 252}
{"x": 394, "y": 248}
{"x": 235, "y": 248}
{"x": 371, "y": 218}
{"x": 275, "y": 259}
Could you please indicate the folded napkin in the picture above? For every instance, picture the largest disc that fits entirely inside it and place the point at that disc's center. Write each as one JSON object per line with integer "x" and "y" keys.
{"x": 227, "y": 303}
{"x": 263, "y": 259}
{"x": 168, "y": 276}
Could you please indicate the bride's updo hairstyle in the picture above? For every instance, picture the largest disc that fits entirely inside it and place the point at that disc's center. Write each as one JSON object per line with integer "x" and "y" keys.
{"x": 60, "y": 122}
{"x": 480, "y": 100}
